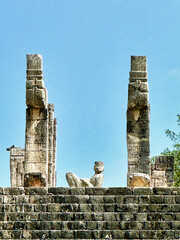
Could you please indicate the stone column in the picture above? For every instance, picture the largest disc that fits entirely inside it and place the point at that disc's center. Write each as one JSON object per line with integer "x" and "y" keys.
{"x": 40, "y": 144}
{"x": 138, "y": 112}
{"x": 162, "y": 171}
{"x": 54, "y": 153}
{"x": 16, "y": 166}
{"x": 36, "y": 139}
{"x": 51, "y": 136}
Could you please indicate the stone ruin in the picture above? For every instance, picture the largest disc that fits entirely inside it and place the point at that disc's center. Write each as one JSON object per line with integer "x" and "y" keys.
{"x": 141, "y": 173}
{"x": 35, "y": 166}
{"x": 149, "y": 208}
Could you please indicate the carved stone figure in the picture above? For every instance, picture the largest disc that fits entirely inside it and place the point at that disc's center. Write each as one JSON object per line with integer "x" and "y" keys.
{"x": 95, "y": 181}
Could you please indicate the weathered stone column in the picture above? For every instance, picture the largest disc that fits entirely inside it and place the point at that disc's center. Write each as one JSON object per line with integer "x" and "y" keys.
{"x": 138, "y": 112}
{"x": 39, "y": 147}
{"x": 35, "y": 166}
{"x": 54, "y": 153}
{"x": 16, "y": 166}
{"x": 162, "y": 171}
{"x": 51, "y": 136}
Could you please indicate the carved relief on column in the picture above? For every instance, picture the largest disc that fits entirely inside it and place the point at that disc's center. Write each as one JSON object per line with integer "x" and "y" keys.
{"x": 36, "y": 121}
{"x": 39, "y": 164}
{"x": 34, "y": 166}
{"x": 36, "y": 94}
{"x": 138, "y": 124}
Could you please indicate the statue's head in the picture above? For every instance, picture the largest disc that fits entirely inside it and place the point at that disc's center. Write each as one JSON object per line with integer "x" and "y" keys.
{"x": 99, "y": 167}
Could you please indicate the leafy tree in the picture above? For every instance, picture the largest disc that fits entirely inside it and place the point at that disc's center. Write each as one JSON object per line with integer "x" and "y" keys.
{"x": 175, "y": 137}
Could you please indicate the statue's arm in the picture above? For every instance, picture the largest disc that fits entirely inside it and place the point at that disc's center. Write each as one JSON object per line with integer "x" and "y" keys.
{"x": 87, "y": 182}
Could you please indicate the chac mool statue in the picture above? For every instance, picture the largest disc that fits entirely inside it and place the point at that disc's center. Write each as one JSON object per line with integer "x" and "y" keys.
{"x": 95, "y": 181}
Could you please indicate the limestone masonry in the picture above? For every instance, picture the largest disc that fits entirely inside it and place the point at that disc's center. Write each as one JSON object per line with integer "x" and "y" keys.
{"x": 138, "y": 124}
{"x": 89, "y": 213}
{"x": 140, "y": 172}
{"x": 35, "y": 165}
{"x": 149, "y": 208}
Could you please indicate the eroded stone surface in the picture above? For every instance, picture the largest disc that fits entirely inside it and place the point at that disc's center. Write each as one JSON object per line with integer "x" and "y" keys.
{"x": 39, "y": 157}
{"x": 162, "y": 171}
{"x": 17, "y": 157}
{"x": 138, "y": 180}
{"x": 95, "y": 181}
{"x": 138, "y": 122}
{"x": 89, "y": 213}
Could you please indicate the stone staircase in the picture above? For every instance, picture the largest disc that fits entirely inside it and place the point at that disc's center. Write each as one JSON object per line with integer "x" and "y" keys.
{"x": 89, "y": 213}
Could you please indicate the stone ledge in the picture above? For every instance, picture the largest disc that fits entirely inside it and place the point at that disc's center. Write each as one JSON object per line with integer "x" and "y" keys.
{"x": 90, "y": 191}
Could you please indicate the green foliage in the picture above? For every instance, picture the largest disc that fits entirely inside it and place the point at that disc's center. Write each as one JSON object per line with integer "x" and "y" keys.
{"x": 175, "y": 137}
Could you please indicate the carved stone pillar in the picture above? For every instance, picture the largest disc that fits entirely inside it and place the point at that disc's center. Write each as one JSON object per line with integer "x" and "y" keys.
{"x": 39, "y": 126}
{"x": 138, "y": 112}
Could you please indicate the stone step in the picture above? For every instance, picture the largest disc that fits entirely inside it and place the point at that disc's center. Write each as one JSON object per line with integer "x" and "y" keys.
{"x": 89, "y": 225}
{"x": 89, "y": 234}
{"x": 89, "y": 213}
{"x": 89, "y": 216}
{"x": 103, "y": 207}
{"x": 90, "y": 199}
{"x": 90, "y": 191}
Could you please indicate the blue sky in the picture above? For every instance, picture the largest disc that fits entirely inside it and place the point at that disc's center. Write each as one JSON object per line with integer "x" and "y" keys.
{"x": 86, "y": 47}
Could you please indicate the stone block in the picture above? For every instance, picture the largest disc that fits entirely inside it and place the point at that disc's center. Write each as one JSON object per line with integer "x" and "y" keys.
{"x": 83, "y": 199}
{"x": 109, "y": 208}
{"x": 14, "y": 191}
{"x": 95, "y": 191}
{"x": 127, "y": 216}
{"x": 58, "y": 199}
{"x": 110, "y": 216}
{"x": 77, "y": 191}
{"x": 138, "y": 64}
{"x": 147, "y": 234}
{"x": 118, "y": 191}
{"x": 86, "y": 234}
{"x": 154, "y": 216}
{"x": 177, "y": 234}
{"x": 91, "y": 225}
{"x": 144, "y": 199}
{"x": 162, "y": 225}
{"x": 157, "y": 199}
{"x": 162, "y": 191}
{"x": 120, "y": 199}
{"x": 175, "y": 207}
{"x": 36, "y": 191}
{"x": 96, "y": 199}
{"x": 177, "y": 198}
{"x": 58, "y": 190}
{"x": 133, "y": 234}
{"x": 113, "y": 225}
{"x": 118, "y": 234}
{"x": 86, "y": 207}
{"x": 109, "y": 199}
{"x": 70, "y": 199}
{"x": 140, "y": 217}
{"x": 98, "y": 207}
{"x": 131, "y": 199}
